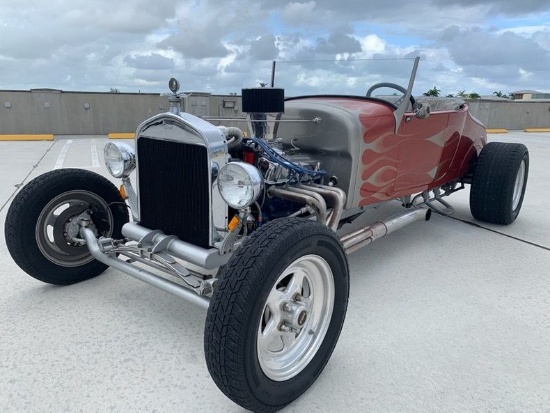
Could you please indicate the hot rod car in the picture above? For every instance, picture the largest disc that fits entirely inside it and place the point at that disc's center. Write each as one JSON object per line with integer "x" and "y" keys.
{"x": 252, "y": 226}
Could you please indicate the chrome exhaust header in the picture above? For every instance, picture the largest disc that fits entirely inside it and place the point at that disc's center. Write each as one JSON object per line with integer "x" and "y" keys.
{"x": 334, "y": 197}
{"x": 309, "y": 198}
{"x": 317, "y": 197}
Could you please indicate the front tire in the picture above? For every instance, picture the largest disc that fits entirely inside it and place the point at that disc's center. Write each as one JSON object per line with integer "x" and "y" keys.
{"x": 277, "y": 313}
{"x": 499, "y": 182}
{"x": 41, "y": 224}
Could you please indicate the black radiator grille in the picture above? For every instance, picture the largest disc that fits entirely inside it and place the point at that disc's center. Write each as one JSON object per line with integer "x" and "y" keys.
{"x": 174, "y": 189}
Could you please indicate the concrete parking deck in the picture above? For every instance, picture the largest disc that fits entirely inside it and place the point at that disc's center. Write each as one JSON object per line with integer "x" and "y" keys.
{"x": 446, "y": 315}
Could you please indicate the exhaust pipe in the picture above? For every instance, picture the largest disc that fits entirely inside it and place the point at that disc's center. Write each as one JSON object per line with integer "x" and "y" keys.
{"x": 367, "y": 235}
{"x": 312, "y": 199}
{"x": 334, "y": 197}
{"x": 318, "y": 197}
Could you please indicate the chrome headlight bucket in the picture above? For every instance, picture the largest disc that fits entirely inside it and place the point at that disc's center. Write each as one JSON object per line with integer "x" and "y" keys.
{"x": 120, "y": 159}
{"x": 240, "y": 184}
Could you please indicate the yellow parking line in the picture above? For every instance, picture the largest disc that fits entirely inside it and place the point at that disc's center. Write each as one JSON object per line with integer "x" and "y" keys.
{"x": 496, "y": 130}
{"x": 119, "y": 135}
{"x": 536, "y": 130}
{"x": 36, "y": 137}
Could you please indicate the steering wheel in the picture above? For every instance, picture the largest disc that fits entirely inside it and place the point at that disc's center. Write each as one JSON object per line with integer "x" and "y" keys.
{"x": 391, "y": 86}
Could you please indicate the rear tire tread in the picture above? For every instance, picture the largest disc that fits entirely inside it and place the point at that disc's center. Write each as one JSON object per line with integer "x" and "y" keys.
{"x": 494, "y": 180}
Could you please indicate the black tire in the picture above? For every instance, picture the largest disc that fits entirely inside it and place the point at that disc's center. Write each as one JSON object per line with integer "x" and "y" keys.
{"x": 256, "y": 298}
{"x": 499, "y": 182}
{"x": 39, "y": 224}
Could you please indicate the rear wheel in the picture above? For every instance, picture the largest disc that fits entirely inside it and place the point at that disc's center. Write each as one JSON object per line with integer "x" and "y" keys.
{"x": 499, "y": 183}
{"x": 42, "y": 232}
{"x": 277, "y": 313}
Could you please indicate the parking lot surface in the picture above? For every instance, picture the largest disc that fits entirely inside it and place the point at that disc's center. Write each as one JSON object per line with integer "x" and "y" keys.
{"x": 445, "y": 315}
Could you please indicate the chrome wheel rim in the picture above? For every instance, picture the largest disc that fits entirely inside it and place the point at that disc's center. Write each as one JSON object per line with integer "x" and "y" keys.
{"x": 518, "y": 186}
{"x": 295, "y": 318}
{"x": 57, "y": 227}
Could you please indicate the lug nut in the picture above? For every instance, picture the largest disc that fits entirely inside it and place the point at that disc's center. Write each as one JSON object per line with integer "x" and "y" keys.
{"x": 283, "y": 327}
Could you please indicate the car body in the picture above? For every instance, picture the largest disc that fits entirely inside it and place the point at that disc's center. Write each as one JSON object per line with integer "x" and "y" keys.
{"x": 381, "y": 164}
{"x": 253, "y": 228}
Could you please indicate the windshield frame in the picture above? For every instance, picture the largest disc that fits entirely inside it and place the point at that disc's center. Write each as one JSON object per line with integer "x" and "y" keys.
{"x": 398, "y": 110}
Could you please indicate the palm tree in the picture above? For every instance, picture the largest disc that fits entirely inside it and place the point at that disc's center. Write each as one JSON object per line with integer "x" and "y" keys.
{"x": 462, "y": 94}
{"x": 499, "y": 94}
{"x": 474, "y": 95}
{"x": 433, "y": 92}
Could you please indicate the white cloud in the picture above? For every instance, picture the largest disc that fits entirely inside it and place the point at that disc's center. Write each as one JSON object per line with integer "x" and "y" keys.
{"x": 524, "y": 74}
{"x": 372, "y": 44}
{"x": 138, "y": 44}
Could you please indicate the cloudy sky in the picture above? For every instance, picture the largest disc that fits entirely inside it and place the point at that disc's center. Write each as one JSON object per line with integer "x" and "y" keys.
{"x": 220, "y": 46}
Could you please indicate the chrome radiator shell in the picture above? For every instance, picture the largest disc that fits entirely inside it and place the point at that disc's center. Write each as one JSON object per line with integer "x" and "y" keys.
{"x": 188, "y": 206}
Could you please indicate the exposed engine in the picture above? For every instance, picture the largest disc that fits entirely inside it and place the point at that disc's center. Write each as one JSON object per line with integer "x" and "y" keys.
{"x": 280, "y": 167}
{"x": 294, "y": 182}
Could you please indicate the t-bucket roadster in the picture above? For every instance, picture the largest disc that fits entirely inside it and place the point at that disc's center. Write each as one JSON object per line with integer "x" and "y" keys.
{"x": 250, "y": 226}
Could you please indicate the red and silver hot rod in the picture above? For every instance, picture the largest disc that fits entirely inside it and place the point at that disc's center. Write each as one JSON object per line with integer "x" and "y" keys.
{"x": 249, "y": 225}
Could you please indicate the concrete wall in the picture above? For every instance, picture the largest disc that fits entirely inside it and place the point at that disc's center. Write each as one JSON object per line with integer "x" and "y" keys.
{"x": 514, "y": 115}
{"x": 74, "y": 113}
{"x": 217, "y": 106}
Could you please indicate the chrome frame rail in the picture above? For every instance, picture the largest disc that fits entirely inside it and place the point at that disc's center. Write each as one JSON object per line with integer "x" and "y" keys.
{"x": 141, "y": 274}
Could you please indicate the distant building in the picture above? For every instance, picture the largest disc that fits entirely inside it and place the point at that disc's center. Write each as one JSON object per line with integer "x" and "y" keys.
{"x": 530, "y": 95}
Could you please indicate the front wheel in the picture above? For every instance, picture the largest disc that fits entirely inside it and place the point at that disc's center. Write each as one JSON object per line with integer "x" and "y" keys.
{"x": 42, "y": 231}
{"x": 277, "y": 313}
{"x": 499, "y": 182}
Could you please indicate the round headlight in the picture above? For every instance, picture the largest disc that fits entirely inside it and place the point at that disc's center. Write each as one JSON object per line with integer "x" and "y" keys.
{"x": 240, "y": 184}
{"x": 120, "y": 159}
